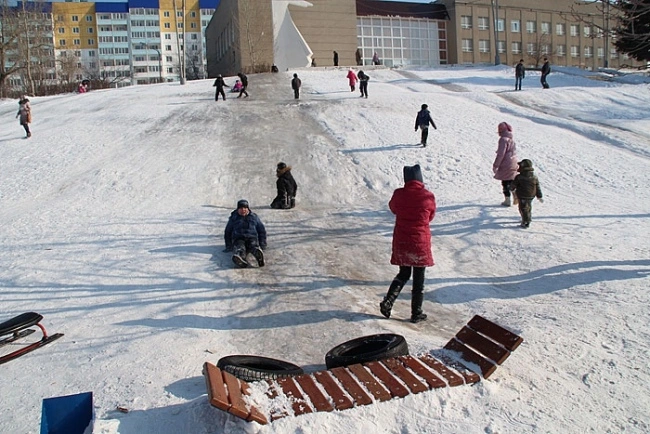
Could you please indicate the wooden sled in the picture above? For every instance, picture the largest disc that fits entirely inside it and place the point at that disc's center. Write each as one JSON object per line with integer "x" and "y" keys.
{"x": 17, "y": 328}
{"x": 481, "y": 344}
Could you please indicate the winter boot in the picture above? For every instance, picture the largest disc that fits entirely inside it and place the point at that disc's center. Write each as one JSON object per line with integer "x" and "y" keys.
{"x": 239, "y": 261}
{"x": 259, "y": 255}
{"x": 386, "y": 305}
{"x": 506, "y": 202}
{"x": 416, "y": 308}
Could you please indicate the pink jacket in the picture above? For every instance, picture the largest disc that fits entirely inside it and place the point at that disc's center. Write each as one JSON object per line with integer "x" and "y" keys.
{"x": 505, "y": 164}
{"x": 352, "y": 77}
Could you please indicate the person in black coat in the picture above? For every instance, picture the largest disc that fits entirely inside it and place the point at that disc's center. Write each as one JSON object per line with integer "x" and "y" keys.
{"x": 219, "y": 84}
{"x": 244, "y": 82}
{"x": 363, "y": 83}
{"x": 287, "y": 188}
{"x": 295, "y": 85}
{"x": 546, "y": 70}
{"x": 520, "y": 74}
{"x": 336, "y": 59}
{"x": 245, "y": 233}
{"x": 422, "y": 121}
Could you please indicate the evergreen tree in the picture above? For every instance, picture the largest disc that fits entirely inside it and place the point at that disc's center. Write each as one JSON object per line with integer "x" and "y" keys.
{"x": 633, "y": 31}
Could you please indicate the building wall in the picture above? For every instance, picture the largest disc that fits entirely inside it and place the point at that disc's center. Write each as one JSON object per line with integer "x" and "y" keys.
{"x": 550, "y": 12}
{"x": 328, "y": 26}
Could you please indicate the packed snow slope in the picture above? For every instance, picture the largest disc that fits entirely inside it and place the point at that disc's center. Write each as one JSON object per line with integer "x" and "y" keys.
{"x": 112, "y": 219}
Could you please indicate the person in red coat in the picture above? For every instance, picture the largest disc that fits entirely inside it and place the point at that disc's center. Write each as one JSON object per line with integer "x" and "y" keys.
{"x": 414, "y": 207}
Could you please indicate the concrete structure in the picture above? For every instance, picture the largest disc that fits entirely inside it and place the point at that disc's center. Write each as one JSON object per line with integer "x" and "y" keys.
{"x": 530, "y": 30}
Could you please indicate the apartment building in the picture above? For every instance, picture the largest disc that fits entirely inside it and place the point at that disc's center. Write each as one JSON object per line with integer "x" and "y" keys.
{"x": 566, "y": 31}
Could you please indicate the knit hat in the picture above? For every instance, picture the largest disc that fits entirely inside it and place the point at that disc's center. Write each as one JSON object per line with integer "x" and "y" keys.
{"x": 412, "y": 173}
{"x": 243, "y": 203}
{"x": 281, "y": 166}
{"x": 505, "y": 126}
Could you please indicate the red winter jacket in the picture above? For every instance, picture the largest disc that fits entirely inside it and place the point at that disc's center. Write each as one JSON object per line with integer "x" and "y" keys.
{"x": 414, "y": 207}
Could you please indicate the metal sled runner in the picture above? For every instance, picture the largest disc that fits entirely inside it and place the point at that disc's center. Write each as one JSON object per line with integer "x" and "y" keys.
{"x": 481, "y": 344}
{"x": 18, "y": 328}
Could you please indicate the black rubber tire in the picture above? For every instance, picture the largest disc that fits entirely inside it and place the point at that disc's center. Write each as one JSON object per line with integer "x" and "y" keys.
{"x": 366, "y": 349}
{"x": 257, "y": 368}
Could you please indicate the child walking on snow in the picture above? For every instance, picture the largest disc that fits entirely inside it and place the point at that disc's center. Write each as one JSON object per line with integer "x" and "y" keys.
{"x": 526, "y": 187}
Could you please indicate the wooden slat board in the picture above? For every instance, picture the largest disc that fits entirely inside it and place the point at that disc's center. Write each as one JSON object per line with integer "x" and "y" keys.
{"x": 481, "y": 343}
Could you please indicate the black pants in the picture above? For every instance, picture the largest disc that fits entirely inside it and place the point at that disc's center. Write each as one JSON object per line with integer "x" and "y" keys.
{"x": 26, "y": 127}
{"x": 506, "y": 188}
{"x": 425, "y": 134}
{"x": 296, "y": 93}
{"x": 418, "y": 277}
{"x": 243, "y": 246}
{"x": 243, "y": 91}
{"x": 543, "y": 81}
{"x": 220, "y": 92}
{"x": 518, "y": 81}
{"x": 363, "y": 87}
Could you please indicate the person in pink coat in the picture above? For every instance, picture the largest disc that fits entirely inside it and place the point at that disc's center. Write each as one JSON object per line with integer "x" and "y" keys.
{"x": 414, "y": 207}
{"x": 505, "y": 164}
{"x": 352, "y": 79}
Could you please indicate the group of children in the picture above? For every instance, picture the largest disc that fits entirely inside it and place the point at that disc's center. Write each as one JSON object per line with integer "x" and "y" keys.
{"x": 240, "y": 86}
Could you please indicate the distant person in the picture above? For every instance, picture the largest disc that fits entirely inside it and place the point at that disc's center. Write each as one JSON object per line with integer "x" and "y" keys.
{"x": 82, "y": 88}
{"x": 363, "y": 83}
{"x": 274, "y": 68}
{"x": 219, "y": 83}
{"x": 25, "y": 114}
{"x": 357, "y": 56}
{"x": 237, "y": 86}
{"x": 525, "y": 188}
{"x": 546, "y": 70}
{"x": 286, "y": 186}
{"x": 313, "y": 62}
{"x": 352, "y": 79}
{"x": 505, "y": 164}
{"x": 422, "y": 121}
{"x": 375, "y": 59}
{"x": 295, "y": 85}
{"x": 336, "y": 59}
{"x": 245, "y": 234}
{"x": 520, "y": 74}
{"x": 414, "y": 207}
{"x": 244, "y": 84}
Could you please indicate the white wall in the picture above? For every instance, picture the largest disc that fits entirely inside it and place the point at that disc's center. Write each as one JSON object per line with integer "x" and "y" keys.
{"x": 290, "y": 50}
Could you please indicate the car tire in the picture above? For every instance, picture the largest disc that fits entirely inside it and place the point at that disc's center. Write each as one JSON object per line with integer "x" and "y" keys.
{"x": 366, "y": 349}
{"x": 257, "y": 368}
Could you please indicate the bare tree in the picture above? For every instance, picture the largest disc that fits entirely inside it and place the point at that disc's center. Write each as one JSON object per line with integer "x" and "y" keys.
{"x": 193, "y": 64}
{"x": 540, "y": 49}
{"x": 254, "y": 38}
{"x": 68, "y": 65}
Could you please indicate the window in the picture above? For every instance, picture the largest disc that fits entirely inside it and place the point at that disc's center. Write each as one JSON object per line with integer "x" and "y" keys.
{"x": 575, "y": 51}
{"x": 166, "y": 14}
{"x": 501, "y": 46}
{"x": 193, "y": 25}
{"x": 61, "y": 30}
{"x": 75, "y": 18}
{"x": 59, "y": 17}
{"x": 546, "y": 28}
{"x": 531, "y": 26}
{"x": 170, "y": 70}
{"x": 575, "y": 30}
{"x": 168, "y": 58}
{"x": 179, "y": 14}
{"x": 515, "y": 26}
{"x": 194, "y": 36}
{"x": 91, "y": 42}
{"x": 466, "y": 21}
{"x": 168, "y": 48}
{"x": 586, "y": 31}
{"x": 484, "y": 45}
{"x": 483, "y": 23}
{"x": 90, "y": 29}
{"x": 516, "y": 48}
{"x": 589, "y": 52}
{"x": 76, "y": 42}
{"x": 168, "y": 35}
{"x": 545, "y": 49}
{"x": 75, "y": 30}
{"x": 501, "y": 25}
{"x": 180, "y": 25}
{"x": 601, "y": 52}
{"x": 89, "y": 18}
{"x": 62, "y": 43}
{"x": 467, "y": 45}
{"x": 531, "y": 48}
{"x": 168, "y": 26}
{"x": 560, "y": 29}
{"x": 91, "y": 53}
{"x": 193, "y": 14}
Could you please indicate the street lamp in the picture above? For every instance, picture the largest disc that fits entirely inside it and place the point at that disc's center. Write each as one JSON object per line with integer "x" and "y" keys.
{"x": 495, "y": 13}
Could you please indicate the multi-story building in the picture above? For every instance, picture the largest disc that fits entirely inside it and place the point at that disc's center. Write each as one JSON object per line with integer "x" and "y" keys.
{"x": 568, "y": 32}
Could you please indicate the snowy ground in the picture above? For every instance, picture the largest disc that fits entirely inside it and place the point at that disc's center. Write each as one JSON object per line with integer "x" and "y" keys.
{"x": 112, "y": 217}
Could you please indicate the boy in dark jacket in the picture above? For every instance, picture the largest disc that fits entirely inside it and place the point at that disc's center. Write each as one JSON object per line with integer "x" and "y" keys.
{"x": 422, "y": 121}
{"x": 526, "y": 188}
{"x": 245, "y": 233}
{"x": 287, "y": 188}
{"x": 295, "y": 85}
{"x": 520, "y": 74}
{"x": 219, "y": 83}
{"x": 363, "y": 83}
{"x": 244, "y": 83}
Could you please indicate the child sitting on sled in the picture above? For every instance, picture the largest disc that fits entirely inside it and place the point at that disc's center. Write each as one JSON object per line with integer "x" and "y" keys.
{"x": 245, "y": 234}
{"x": 237, "y": 87}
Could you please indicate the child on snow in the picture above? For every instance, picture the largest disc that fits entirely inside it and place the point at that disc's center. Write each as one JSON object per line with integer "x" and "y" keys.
{"x": 422, "y": 121}
{"x": 287, "y": 188}
{"x": 245, "y": 233}
{"x": 526, "y": 187}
